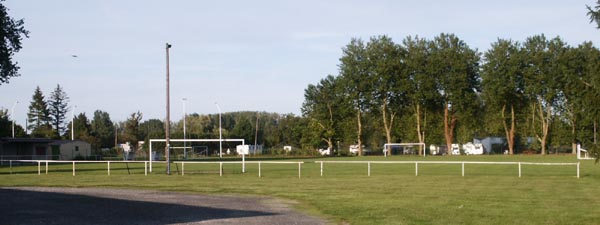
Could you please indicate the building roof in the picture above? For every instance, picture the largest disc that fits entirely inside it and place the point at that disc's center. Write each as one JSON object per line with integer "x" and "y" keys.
{"x": 26, "y": 140}
{"x": 60, "y": 142}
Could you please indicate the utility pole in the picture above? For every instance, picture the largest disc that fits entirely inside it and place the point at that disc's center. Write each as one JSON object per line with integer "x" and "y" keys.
{"x": 73, "y": 123}
{"x": 12, "y": 115}
{"x": 220, "y": 133}
{"x": 184, "y": 136}
{"x": 256, "y": 134}
{"x": 167, "y": 120}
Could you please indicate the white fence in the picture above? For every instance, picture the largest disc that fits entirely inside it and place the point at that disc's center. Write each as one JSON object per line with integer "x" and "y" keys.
{"x": 243, "y": 164}
{"x": 46, "y": 162}
{"x": 445, "y": 162}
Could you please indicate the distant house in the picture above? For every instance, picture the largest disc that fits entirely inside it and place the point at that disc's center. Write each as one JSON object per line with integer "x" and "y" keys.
{"x": 26, "y": 149}
{"x": 42, "y": 149}
{"x": 488, "y": 142}
{"x": 69, "y": 150}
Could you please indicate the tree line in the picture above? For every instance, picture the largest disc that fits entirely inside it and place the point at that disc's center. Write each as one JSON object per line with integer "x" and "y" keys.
{"x": 539, "y": 93}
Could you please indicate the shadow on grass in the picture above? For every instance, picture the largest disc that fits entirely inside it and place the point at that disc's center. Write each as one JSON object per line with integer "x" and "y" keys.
{"x": 31, "y": 207}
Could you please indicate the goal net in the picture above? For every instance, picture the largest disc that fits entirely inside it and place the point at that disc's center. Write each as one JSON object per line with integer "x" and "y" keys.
{"x": 403, "y": 149}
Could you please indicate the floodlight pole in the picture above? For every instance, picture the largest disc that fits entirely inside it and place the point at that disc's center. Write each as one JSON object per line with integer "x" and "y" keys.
{"x": 12, "y": 113}
{"x": 167, "y": 120}
{"x": 184, "y": 136}
{"x": 220, "y": 132}
{"x": 73, "y": 122}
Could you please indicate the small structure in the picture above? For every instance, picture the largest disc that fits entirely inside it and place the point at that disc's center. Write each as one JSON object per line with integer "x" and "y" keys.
{"x": 473, "y": 149}
{"x": 242, "y": 149}
{"x": 42, "y": 149}
{"x": 354, "y": 150}
{"x": 256, "y": 149}
{"x": 487, "y": 143}
{"x": 70, "y": 150}
{"x": 27, "y": 149}
{"x": 287, "y": 148}
{"x": 324, "y": 152}
{"x": 455, "y": 149}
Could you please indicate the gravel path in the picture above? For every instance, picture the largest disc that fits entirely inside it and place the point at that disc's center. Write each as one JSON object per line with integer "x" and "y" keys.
{"x": 40, "y": 205}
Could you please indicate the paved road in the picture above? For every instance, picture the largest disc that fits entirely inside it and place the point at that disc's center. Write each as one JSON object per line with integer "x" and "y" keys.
{"x": 39, "y": 205}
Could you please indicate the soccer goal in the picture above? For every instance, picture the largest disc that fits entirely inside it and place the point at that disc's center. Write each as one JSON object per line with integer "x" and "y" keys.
{"x": 583, "y": 153}
{"x": 403, "y": 149}
{"x": 152, "y": 154}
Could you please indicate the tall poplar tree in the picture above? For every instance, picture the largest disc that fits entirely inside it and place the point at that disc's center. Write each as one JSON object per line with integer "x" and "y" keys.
{"x": 503, "y": 85}
{"x": 390, "y": 81}
{"x": 357, "y": 83}
{"x": 456, "y": 68}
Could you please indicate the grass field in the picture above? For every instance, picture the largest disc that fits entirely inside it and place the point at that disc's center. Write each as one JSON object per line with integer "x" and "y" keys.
{"x": 488, "y": 194}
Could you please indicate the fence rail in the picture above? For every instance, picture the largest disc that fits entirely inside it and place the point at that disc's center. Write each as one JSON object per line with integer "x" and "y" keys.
{"x": 243, "y": 164}
{"x": 445, "y": 162}
{"x": 46, "y": 162}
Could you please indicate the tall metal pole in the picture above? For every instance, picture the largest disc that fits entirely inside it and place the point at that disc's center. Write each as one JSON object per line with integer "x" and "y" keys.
{"x": 220, "y": 133}
{"x": 167, "y": 120}
{"x": 12, "y": 113}
{"x": 256, "y": 134}
{"x": 73, "y": 122}
{"x": 184, "y": 136}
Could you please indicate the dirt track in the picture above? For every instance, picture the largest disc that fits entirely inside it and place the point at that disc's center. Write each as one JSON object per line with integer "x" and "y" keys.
{"x": 116, "y": 206}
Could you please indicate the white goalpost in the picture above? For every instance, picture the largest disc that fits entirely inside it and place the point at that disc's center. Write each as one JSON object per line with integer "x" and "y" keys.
{"x": 583, "y": 153}
{"x": 405, "y": 147}
{"x": 188, "y": 140}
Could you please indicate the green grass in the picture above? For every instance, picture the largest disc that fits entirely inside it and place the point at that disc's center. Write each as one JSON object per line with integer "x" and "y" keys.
{"x": 488, "y": 194}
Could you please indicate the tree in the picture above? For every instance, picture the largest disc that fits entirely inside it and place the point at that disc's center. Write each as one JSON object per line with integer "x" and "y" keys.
{"x": 103, "y": 129}
{"x": 594, "y": 13}
{"x": 357, "y": 83}
{"x": 322, "y": 108}
{"x": 12, "y": 33}
{"x": 456, "y": 69}
{"x": 38, "y": 116}
{"x": 153, "y": 129}
{"x": 131, "y": 131}
{"x": 58, "y": 108}
{"x": 6, "y": 126}
{"x": 388, "y": 73}
{"x": 543, "y": 77}
{"x": 82, "y": 129}
{"x": 503, "y": 85}
{"x": 422, "y": 93}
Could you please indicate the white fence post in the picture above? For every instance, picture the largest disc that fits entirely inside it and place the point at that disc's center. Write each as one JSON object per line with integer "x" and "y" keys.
{"x": 369, "y": 168}
{"x": 73, "y": 168}
{"x": 416, "y": 169}
{"x": 146, "y": 168}
{"x": 220, "y": 169}
{"x": 46, "y": 166}
{"x": 259, "y": 172}
{"x": 39, "y": 168}
{"x": 519, "y": 169}
{"x": 578, "y": 170}
{"x": 299, "y": 169}
{"x": 108, "y": 167}
{"x": 321, "y": 168}
{"x": 463, "y": 169}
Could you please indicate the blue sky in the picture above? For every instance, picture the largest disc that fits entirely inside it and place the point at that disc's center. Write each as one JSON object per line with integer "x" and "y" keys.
{"x": 245, "y": 55}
